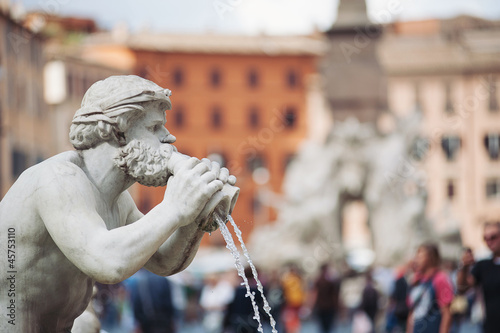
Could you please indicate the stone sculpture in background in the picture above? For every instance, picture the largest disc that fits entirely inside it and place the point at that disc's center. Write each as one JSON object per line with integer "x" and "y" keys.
{"x": 356, "y": 163}
{"x": 72, "y": 221}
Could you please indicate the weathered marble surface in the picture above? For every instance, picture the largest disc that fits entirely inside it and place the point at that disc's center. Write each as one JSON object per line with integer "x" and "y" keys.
{"x": 72, "y": 221}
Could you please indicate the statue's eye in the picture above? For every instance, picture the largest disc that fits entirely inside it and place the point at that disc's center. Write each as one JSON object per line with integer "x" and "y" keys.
{"x": 154, "y": 128}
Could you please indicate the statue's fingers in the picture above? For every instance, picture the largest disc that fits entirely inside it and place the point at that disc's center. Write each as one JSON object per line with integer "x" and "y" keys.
{"x": 185, "y": 165}
{"x": 201, "y": 168}
{"x": 207, "y": 162}
{"x": 215, "y": 167}
{"x": 209, "y": 176}
{"x": 223, "y": 175}
{"x": 231, "y": 180}
{"x": 214, "y": 186}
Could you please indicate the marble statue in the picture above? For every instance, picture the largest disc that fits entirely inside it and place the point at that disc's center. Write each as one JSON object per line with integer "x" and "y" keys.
{"x": 356, "y": 163}
{"x": 70, "y": 220}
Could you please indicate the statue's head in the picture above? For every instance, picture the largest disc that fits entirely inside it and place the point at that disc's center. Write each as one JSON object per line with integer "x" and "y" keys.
{"x": 110, "y": 106}
{"x": 110, "y": 110}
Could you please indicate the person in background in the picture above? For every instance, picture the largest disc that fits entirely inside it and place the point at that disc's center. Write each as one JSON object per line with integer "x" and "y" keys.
{"x": 398, "y": 307}
{"x": 276, "y": 298}
{"x": 370, "y": 300}
{"x": 215, "y": 296}
{"x": 113, "y": 307}
{"x": 485, "y": 274}
{"x": 294, "y": 291}
{"x": 430, "y": 295}
{"x": 240, "y": 313}
{"x": 325, "y": 298}
{"x": 462, "y": 300}
{"x": 152, "y": 304}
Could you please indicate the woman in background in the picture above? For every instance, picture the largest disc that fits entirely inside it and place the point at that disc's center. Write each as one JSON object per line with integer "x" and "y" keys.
{"x": 431, "y": 294}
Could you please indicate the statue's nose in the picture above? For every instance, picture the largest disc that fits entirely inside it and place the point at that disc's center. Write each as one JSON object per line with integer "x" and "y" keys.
{"x": 169, "y": 138}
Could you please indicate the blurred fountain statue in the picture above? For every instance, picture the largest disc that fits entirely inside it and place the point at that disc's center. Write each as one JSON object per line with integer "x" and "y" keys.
{"x": 356, "y": 163}
{"x": 370, "y": 159}
{"x": 71, "y": 220}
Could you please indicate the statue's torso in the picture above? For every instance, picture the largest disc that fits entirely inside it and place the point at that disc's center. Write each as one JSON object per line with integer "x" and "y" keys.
{"x": 49, "y": 289}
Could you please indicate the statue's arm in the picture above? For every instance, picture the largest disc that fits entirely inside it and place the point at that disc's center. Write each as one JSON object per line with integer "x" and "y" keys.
{"x": 68, "y": 209}
{"x": 177, "y": 252}
{"x": 67, "y": 206}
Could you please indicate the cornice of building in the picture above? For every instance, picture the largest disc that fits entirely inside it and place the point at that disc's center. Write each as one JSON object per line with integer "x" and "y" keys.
{"x": 217, "y": 44}
{"x": 454, "y": 46}
{"x": 72, "y": 59}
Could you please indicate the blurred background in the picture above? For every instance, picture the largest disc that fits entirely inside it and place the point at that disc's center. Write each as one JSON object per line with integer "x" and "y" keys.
{"x": 357, "y": 130}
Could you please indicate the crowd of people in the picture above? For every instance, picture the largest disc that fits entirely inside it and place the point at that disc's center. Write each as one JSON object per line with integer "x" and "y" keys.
{"x": 427, "y": 294}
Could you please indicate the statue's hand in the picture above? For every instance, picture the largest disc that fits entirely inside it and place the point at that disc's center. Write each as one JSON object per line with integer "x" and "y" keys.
{"x": 189, "y": 190}
{"x": 210, "y": 225}
{"x": 222, "y": 173}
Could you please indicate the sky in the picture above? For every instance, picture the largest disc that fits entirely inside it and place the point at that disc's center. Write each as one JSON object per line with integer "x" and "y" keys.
{"x": 251, "y": 16}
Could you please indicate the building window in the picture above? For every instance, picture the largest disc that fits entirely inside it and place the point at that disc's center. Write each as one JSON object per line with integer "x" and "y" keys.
{"x": 492, "y": 145}
{"x": 255, "y": 204}
{"x": 215, "y": 78}
{"x": 451, "y": 145}
{"x": 493, "y": 188}
{"x": 83, "y": 84}
{"x": 20, "y": 96}
{"x": 70, "y": 84}
{"x": 448, "y": 106}
{"x": 179, "y": 117}
{"x": 216, "y": 117}
{"x": 19, "y": 162}
{"x": 143, "y": 72}
{"x": 253, "y": 78}
{"x": 12, "y": 91}
{"x": 292, "y": 78}
{"x": 145, "y": 204}
{"x": 420, "y": 148}
{"x": 493, "y": 100}
{"x": 87, "y": 82}
{"x": 418, "y": 97}
{"x": 290, "y": 117}
{"x": 178, "y": 77}
{"x": 254, "y": 117}
{"x": 450, "y": 189}
{"x": 255, "y": 162}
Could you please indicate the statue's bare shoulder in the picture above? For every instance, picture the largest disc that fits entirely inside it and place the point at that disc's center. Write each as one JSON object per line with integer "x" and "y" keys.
{"x": 65, "y": 164}
{"x": 63, "y": 172}
{"x": 64, "y": 195}
{"x": 66, "y": 168}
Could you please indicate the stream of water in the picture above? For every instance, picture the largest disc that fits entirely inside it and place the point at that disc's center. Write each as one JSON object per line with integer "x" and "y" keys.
{"x": 241, "y": 270}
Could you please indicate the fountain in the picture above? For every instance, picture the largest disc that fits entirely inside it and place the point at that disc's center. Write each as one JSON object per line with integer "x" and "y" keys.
{"x": 241, "y": 271}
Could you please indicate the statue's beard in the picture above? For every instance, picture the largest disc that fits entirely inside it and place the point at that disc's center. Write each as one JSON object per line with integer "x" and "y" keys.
{"x": 144, "y": 164}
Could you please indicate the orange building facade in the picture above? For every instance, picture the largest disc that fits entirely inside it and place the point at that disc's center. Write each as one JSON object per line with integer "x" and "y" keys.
{"x": 239, "y": 106}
